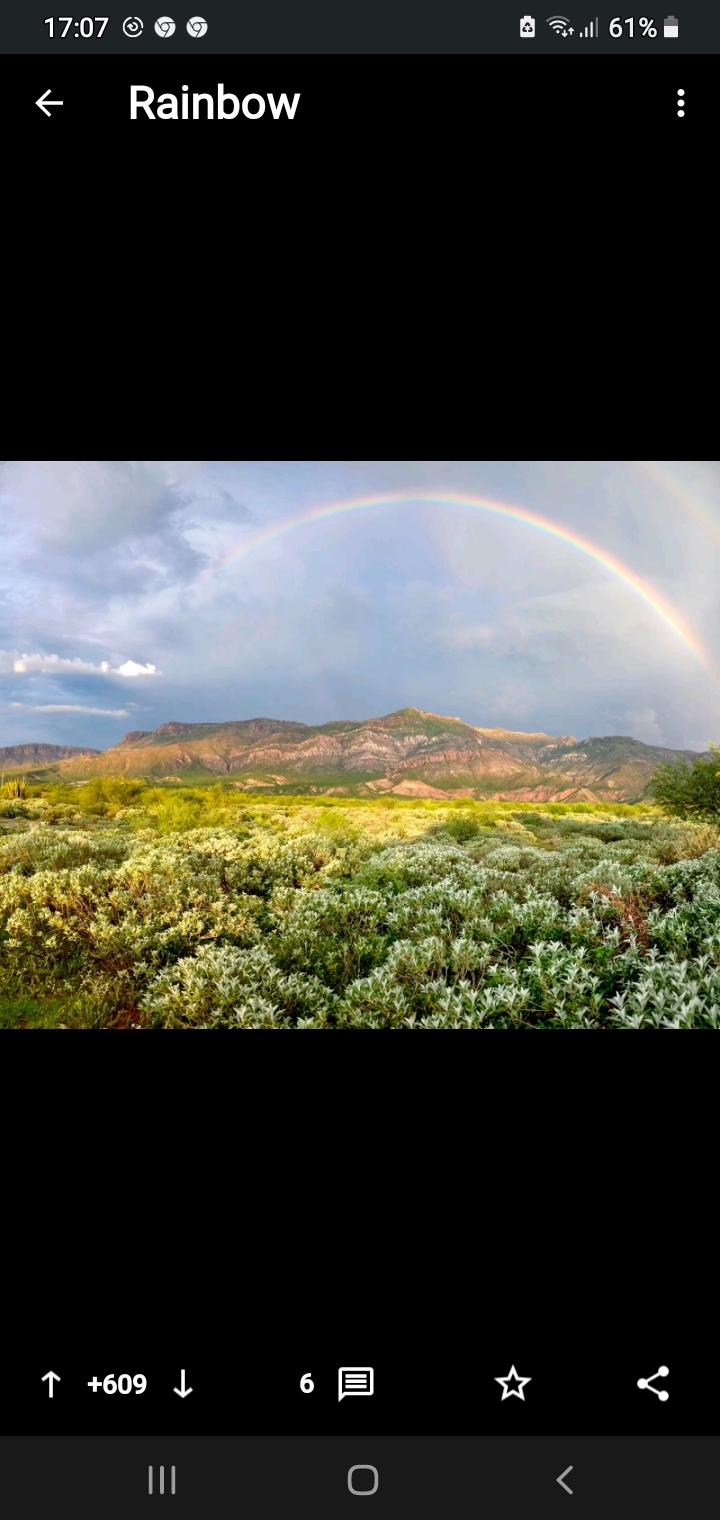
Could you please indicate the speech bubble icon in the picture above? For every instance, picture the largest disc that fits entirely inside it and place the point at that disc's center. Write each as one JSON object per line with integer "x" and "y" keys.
{"x": 355, "y": 1382}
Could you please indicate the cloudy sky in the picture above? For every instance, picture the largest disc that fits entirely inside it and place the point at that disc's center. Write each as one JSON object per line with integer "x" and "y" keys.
{"x": 136, "y": 593}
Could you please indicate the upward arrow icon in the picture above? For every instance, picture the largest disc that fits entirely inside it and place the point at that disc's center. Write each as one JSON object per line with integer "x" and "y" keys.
{"x": 182, "y": 1390}
{"x": 51, "y": 1378}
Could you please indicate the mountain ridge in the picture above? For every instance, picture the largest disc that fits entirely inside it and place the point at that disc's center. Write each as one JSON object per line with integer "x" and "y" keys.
{"x": 410, "y": 753}
{"x": 13, "y": 756}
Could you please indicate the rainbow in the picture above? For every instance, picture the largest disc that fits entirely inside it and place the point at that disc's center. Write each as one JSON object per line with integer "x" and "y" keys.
{"x": 659, "y": 604}
{"x": 662, "y": 476}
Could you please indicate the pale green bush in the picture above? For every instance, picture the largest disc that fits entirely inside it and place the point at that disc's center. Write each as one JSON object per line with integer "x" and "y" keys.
{"x": 236, "y": 989}
{"x": 588, "y": 922}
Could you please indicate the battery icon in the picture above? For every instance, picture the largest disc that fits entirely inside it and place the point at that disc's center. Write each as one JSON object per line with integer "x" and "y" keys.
{"x": 670, "y": 26}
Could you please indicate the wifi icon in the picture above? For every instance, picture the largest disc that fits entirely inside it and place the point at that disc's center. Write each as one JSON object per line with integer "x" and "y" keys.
{"x": 558, "y": 23}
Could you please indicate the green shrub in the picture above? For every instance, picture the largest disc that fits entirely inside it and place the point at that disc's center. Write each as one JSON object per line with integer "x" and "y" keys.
{"x": 689, "y": 791}
{"x": 104, "y": 796}
{"x": 234, "y": 989}
{"x": 386, "y": 920}
{"x": 463, "y": 828}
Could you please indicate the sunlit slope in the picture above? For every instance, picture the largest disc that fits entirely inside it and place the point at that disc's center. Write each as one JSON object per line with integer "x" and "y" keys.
{"x": 407, "y": 753}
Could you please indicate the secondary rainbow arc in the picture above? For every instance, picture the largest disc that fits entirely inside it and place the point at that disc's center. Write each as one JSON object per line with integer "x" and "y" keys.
{"x": 661, "y": 475}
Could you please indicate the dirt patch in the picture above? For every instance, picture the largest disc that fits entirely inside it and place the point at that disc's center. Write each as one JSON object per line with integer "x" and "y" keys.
{"x": 630, "y": 908}
{"x": 129, "y": 1018}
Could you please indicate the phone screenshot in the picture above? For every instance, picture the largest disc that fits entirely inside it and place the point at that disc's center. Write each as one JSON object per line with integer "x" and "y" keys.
{"x": 304, "y": 732}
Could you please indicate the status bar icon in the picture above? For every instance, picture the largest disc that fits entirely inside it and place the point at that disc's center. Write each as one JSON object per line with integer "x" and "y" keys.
{"x": 527, "y": 26}
{"x": 670, "y": 26}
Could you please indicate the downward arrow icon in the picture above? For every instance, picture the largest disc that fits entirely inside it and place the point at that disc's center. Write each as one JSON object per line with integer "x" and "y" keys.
{"x": 182, "y": 1391}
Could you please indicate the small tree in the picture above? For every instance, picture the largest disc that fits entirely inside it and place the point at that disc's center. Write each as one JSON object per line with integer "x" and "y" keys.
{"x": 689, "y": 791}
{"x": 104, "y": 796}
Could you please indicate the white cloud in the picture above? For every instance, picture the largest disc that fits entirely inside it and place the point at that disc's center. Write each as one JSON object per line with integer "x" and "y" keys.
{"x": 54, "y": 664}
{"x": 61, "y": 707}
{"x": 130, "y": 668}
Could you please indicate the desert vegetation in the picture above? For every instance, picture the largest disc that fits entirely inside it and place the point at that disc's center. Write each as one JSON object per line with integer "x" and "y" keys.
{"x": 130, "y": 905}
{"x": 690, "y": 791}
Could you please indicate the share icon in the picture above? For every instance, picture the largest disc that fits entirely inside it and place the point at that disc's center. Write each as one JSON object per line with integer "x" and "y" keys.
{"x": 648, "y": 1383}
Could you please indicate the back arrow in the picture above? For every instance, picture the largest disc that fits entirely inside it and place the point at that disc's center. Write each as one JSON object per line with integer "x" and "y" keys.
{"x": 50, "y": 1378}
{"x": 182, "y": 1390}
{"x": 560, "y": 1480}
{"x": 43, "y": 103}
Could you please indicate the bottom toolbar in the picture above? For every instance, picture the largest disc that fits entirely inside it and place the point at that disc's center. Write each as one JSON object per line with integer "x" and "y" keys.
{"x": 515, "y": 1385}
{"x": 271, "y": 1477}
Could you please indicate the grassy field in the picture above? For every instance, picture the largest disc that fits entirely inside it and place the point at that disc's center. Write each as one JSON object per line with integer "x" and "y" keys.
{"x": 128, "y": 906}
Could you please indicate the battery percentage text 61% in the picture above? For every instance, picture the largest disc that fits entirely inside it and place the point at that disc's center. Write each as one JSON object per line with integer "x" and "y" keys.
{"x": 647, "y": 27}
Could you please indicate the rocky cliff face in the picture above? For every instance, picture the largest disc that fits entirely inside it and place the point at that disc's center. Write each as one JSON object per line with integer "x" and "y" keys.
{"x": 25, "y": 756}
{"x": 410, "y": 753}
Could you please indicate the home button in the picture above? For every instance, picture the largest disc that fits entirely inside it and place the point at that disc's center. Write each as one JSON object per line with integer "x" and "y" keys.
{"x": 363, "y": 1479}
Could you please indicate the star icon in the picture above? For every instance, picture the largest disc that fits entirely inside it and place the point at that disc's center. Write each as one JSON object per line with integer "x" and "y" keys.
{"x": 513, "y": 1377}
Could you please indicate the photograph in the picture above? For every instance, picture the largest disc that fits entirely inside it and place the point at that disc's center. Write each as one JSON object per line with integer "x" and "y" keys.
{"x": 344, "y": 745}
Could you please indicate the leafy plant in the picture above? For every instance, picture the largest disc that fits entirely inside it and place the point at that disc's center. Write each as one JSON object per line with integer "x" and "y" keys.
{"x": 263, "y": 917}
{"x": 689, "y": 791}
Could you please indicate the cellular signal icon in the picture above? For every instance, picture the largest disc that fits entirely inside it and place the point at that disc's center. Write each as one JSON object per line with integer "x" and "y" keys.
{"x": 558, "y": 23}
